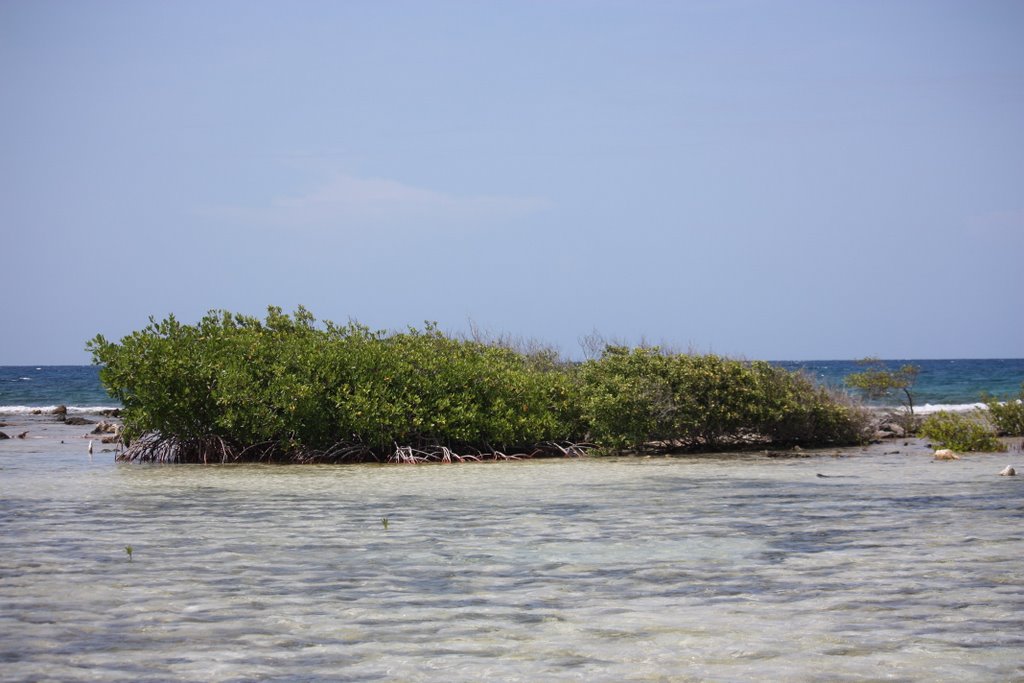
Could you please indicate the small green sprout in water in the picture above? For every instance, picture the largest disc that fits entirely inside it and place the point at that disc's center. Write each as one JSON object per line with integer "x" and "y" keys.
{"x": 128, "y": 550}
{"x": 384, "y": 521}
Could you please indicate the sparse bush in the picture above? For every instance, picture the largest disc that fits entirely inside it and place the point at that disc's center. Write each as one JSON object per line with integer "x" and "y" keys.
{"x": 962, "y": 431}
{"x": 877, "y": 380}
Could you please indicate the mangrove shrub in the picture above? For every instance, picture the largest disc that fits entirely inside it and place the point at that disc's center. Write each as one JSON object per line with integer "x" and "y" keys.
{"x": 963, "y": 432}
{"x": 287, "y": 388}
{"x": 636, "y": 397}
{"x": 1007, "y": 416}
{"x": 284, "y": 388}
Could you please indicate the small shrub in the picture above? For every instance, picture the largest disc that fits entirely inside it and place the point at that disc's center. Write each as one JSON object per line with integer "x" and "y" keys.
{"x": 1007, "y": 416}
{"x": 962, "y": 432}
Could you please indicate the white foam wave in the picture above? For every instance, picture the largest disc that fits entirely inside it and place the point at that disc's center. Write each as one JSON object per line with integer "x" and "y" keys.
{"x": 49, "y": 410}
{"x": 929, "y": 408}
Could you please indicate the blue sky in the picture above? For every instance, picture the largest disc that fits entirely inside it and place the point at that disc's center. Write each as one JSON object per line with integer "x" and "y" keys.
{"x": 782, "y": 180}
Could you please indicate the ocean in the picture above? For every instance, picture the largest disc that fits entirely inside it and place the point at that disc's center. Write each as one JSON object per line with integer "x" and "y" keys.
{"x": 941, "y": 384}
{"x": 33, "y": 387}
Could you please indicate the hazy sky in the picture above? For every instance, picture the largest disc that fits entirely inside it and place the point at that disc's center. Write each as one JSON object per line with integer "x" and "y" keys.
{"x": 771, "y": 179}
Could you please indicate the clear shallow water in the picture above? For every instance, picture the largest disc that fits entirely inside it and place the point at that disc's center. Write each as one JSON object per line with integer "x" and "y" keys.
{"x": 714, "y": 568}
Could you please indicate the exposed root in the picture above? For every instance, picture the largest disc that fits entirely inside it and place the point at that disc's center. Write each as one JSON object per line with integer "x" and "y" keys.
{"x": 444, "y": 454}
{"x": 159, "y": 448}
{"x": 407, "y": 455}
{"x": 211, "y": 449}
{"x": 565, "y": 448}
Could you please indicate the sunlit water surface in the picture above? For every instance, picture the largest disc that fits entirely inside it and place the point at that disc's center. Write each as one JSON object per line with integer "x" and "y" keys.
{"x": 728, "y": 568}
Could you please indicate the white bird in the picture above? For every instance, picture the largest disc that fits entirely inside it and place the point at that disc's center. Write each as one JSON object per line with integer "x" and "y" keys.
{"x": 90, "y": 447}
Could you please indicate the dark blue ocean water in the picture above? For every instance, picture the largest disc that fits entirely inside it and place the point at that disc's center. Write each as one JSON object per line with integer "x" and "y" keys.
{"x": 941, "y": 382}
{"x": 39, "y": 386}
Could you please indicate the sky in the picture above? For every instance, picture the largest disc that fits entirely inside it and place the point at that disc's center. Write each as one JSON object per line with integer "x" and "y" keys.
{"x": 763, "y": 179}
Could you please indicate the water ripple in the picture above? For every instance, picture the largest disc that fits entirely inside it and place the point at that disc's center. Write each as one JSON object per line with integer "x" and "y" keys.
{"x": 714, "y": 568}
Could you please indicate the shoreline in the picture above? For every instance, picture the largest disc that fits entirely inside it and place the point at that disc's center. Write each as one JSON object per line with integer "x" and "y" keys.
{"x": 56, "y": 409}
{"x": 48, "y": 435}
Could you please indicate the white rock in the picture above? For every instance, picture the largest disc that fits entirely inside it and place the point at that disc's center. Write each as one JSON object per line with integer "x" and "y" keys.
{"x": 1008, "y": 472}
{"x": 946, "y": 454}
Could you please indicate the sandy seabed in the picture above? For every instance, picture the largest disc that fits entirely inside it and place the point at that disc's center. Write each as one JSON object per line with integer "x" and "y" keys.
{"x": 874, "y": 563}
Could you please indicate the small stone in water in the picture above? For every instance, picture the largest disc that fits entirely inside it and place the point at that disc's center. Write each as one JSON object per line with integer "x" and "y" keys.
{"x": 946, "y": 454}
{"x": 1008, "y": 471}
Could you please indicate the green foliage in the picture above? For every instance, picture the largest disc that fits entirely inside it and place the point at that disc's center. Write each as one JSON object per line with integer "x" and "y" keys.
{"x": 878, "y": 381}
{"x": 284, "y": 383}
{"x": 961, "y": 431}
{"x": 286, "y": 388}
{"x": 793, "y": 409}
{"x": 630, "y": 398}
{"x": 128, "y": 551}
{"x": 1008, "y": 415}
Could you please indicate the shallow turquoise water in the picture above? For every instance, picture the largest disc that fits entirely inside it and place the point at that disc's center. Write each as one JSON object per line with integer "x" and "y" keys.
{"x": 891, "y": 566}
